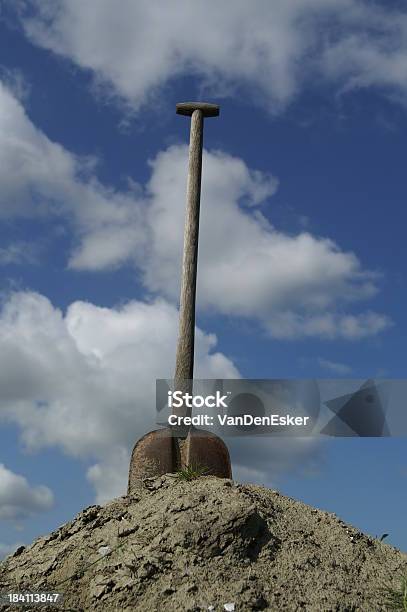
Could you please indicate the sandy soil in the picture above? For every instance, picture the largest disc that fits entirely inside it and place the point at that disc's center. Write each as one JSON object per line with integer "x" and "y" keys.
{"x": 192, "y": 545}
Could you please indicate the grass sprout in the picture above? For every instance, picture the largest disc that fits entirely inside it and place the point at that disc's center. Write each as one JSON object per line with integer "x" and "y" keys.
{"x": 396, "y": 598}
{"x": 190, "y": 472}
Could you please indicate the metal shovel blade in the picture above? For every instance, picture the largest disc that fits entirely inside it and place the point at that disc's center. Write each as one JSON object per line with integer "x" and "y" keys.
{"x": 153, "y": 455}
{"x": 159, "y": 452}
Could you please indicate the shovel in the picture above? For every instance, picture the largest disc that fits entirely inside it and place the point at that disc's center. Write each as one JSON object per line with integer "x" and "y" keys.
{"x": 172, "y": 449}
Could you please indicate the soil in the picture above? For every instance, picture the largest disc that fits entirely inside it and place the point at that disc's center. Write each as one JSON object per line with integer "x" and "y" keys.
{"x": 201, "y": 545}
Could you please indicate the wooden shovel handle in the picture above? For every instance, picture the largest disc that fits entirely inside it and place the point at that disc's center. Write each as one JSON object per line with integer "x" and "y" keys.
{"x": 184, "y": 366}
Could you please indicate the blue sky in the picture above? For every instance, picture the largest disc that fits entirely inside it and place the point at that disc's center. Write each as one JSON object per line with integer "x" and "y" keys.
{"x": 301, "y": 269}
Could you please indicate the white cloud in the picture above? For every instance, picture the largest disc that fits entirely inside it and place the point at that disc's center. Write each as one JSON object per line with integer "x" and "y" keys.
{"x": 329, "y": 326}
{"x": 334, "y": 366}
{"x": 360, "y": 60}
{"x": 267, "y": 51}
{"x": 18, "y": 499}
{"x": 18, "y": 252}
{"x": 109, "y": 476}
{"x": 247, "y": 268}
{"x": 40, "y": 178}
{"x": 88, "y": 382}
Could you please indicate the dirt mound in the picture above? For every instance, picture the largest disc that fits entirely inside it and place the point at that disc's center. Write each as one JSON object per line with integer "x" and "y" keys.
{"x": 178, "y": 545}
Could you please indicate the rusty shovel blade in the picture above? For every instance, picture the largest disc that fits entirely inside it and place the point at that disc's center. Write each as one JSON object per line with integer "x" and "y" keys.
{"x": 159, "y": 452}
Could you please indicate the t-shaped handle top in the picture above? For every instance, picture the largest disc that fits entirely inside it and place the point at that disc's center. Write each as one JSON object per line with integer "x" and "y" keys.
{"x": 208, "y": 110}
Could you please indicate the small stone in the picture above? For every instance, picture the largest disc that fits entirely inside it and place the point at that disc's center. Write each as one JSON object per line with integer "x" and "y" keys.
{"x": 127, "y": 531}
